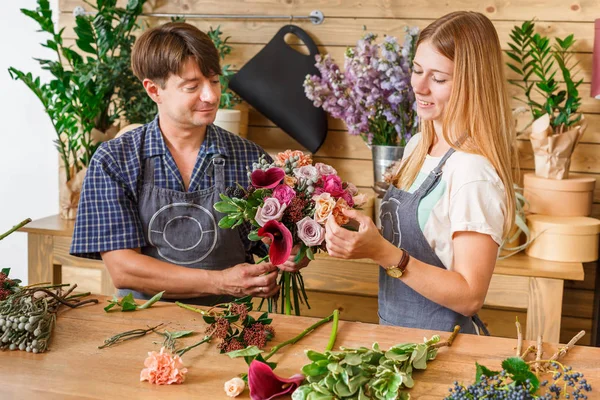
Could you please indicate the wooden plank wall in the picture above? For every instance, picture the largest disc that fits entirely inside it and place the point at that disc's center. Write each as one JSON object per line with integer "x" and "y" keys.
{"x": 345, "y": 22}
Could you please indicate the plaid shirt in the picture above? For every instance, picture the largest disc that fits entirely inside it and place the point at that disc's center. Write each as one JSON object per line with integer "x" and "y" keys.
{"x": 107, "y": 218}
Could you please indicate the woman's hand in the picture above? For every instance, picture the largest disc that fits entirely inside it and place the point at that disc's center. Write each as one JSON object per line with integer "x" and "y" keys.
{"x": 343, "y": 243}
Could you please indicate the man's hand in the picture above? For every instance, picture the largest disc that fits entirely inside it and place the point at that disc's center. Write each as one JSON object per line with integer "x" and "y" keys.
{"x": 290, "y": 265}
{"x": 258, "y": 280}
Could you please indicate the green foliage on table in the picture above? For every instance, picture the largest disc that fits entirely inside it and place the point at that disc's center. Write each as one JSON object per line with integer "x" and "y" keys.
{"x": 364, "y": 373}
{"x": 533, "y": 56}
{"x": 92, "y": 85}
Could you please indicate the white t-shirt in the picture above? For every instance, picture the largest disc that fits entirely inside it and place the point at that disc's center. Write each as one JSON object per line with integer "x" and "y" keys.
{"x": 469, "y": 197}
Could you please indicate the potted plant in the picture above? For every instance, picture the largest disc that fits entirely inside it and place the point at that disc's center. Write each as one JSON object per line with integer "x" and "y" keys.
{"x": 227, "y": 117}
{"x": 557, "y": 123}
{"x": 373, "y": 96}
{"x": 92, "y": 88}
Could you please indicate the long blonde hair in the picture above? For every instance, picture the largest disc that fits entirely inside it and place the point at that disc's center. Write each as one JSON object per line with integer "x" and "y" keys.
{"x": 477, "y": 118}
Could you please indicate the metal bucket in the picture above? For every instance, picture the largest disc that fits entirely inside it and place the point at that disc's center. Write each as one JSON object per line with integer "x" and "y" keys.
{"x": 383, "y": 157}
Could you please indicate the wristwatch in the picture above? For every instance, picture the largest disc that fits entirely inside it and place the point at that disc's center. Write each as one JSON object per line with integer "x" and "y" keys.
{"x": 396, "y": 271}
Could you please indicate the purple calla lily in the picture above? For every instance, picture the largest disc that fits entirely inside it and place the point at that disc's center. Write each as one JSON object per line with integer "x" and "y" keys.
{"x": 265, "y": 385}
{"x": 281, "y": 241}
{"x": 267, "y": 179}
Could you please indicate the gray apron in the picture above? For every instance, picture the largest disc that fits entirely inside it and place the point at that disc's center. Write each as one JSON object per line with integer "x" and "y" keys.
{"x": 399, "y": 304}
{"x": 182, "y": 228}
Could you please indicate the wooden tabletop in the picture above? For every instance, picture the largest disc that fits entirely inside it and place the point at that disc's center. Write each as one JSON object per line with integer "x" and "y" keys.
{"x": 517, "y": 265}
{"x": 75, "y": 368}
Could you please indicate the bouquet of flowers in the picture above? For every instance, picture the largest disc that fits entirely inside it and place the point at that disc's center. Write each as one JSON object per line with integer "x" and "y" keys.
{"x": 374, "y": 96}
{"x": 288, "y": 203}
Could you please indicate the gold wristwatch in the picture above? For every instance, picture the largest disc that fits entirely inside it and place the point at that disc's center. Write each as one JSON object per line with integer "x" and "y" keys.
{"x": 396, "y": 271}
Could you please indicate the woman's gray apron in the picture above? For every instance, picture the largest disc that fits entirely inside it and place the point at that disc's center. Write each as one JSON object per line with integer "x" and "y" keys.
{"x": 182, "y": 228}
{"x": 399, "y": 304}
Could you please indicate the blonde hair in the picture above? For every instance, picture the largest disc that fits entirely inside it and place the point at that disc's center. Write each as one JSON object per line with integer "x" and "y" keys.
{"x": 477, "y": 118}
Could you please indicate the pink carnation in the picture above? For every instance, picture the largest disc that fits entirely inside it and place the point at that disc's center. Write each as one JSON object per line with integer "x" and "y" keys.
{"x": 284, "y": 194}
{"x": 163, "y": 369}
{"x": 348, "y": 197}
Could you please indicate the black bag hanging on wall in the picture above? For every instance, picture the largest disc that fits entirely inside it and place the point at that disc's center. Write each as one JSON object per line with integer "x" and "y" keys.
{"x": 272, "y": 82}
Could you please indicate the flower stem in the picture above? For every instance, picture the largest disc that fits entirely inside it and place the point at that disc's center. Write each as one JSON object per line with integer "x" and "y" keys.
{"x": 198, "y": 310}
{"x": 288, "y": 298}
{"x": 14, "y": 228}
{"x": 334, "y": 330}
{"x": 300, "y": 335}
{"x": 181, "y": 352}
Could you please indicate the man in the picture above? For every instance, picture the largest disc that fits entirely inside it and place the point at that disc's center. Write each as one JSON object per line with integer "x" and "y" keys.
{"x": 146, "y": 206}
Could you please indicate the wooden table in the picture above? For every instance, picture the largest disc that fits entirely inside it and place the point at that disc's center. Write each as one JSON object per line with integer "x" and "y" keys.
{"x": 75, "y": 368}
{"x": 520, "y": 282}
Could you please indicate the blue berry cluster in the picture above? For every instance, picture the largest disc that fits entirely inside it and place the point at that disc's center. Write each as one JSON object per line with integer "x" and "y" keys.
{"x": 566, "y": 384}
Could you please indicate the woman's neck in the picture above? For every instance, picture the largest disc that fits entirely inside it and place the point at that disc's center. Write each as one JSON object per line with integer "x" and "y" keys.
{"x": 439, "y": 147}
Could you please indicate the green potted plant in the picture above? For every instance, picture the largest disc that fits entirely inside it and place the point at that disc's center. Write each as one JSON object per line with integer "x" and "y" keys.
{"x": 227, "y": 118}
{"x": 557, "y": 124}
{"x": 92, "y": 89}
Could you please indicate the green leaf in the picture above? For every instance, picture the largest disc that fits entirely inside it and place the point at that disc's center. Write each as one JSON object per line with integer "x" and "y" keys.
{"x": 481, "y": 370}
{"x": 315, "y": 356}
{"x": 309, "y": 254}
{"x": 153, "y": 300}
{"x": 314, "y": 369}
{"x": 225, "y": 207}
{"x": 519, "y": 371}
{"x": 110, "y": 305}
{"x": 179, "y": 334}
{"x": 247, "y": 352}
{"x": 253, "y": 235}
{"x": 6, "y": 271}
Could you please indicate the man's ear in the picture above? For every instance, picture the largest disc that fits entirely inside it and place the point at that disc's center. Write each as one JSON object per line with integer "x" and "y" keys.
{"x": 153, "y": 90}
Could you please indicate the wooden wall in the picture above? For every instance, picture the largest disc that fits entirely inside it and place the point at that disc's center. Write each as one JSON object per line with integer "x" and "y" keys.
{"x": 353, "y": 284}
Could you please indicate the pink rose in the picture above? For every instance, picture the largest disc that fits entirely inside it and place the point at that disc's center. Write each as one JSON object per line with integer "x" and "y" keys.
{"x": 270, "y": 210}
{"x": 163, "y": 369}
{"x": 284, "y": 194}
{"x": 332, "y": 184}
{"x": 325, "y": 169}
{"x": 310, "y": 232}
{"x": 360, "y": 199}
{"x": 350, "y": 187}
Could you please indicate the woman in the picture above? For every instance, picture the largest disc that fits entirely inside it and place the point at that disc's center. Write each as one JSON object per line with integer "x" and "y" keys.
{"x": 451, "y": 202}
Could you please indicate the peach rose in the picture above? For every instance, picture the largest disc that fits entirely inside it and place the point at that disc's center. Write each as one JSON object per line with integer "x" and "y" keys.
{"x": 360, "y": 200}
{"x": 163, "y": 369}
{"x": 324, "y": 205}
{"x": 234, "y": 387}
{"x": 337, "y": 213}
{"x": 290, "y": 181}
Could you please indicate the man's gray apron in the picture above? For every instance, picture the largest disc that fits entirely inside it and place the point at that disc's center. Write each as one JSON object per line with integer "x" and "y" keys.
{"x": 182, "y": 228}
{"x": 399, "y": 304}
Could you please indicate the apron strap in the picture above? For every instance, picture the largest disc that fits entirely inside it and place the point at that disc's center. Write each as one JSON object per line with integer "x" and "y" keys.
{"x": 480, "y": 325}
{"x": 149, "y": 170}
{"x": 433, "y": 177}
{"x": 217, "y": 169}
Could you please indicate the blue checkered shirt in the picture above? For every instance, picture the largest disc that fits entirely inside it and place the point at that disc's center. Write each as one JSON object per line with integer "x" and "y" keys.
{"x": 107, "y": 218}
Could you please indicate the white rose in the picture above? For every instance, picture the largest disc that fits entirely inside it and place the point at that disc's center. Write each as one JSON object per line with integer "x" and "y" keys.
{"x": 307, "y": 172}
{"x": 235, "y": 387}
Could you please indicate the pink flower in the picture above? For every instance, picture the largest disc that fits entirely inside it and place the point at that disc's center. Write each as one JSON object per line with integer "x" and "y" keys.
{"x": 350, "y": 187}
{"x": 284, "y": 194}
{"x": 267, "y": 179}
{"x": 325, "y": 169}
{"x": 281, "y": 241}
{"x": 310, "y": 232}
{"x": 332, "y": 184}
{"x": 234, "y": 387}
{"x": 265, "y": 385}
{"x": 163, "y": 369}
{"x": 360, "y": 200}
{"x": 348, "y": 198}
{"x": 270, "y": 210}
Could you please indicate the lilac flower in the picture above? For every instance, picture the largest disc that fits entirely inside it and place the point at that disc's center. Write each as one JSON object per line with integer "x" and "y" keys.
{"x": 373, "y": 95}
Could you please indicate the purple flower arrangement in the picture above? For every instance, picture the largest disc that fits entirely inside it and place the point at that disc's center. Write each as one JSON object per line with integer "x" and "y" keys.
{"x": 373, "y": 96}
